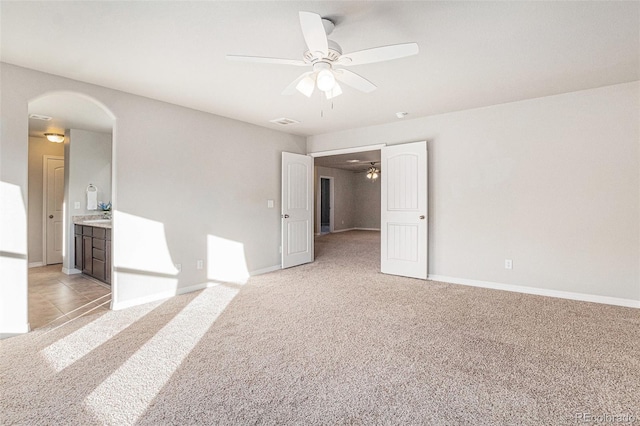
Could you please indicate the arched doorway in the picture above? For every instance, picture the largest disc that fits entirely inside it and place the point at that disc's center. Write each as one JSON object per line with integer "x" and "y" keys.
{"x": 57, "y": 291}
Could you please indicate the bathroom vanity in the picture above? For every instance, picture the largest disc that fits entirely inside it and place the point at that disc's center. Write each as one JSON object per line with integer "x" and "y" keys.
{"x": 93, "y": 248}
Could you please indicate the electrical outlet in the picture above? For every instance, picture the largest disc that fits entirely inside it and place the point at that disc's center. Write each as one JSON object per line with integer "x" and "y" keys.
{"x": 200, "y": 264}
{"x": 280, "y": 249}
{"x": 179, "y": 267}
{"x": 508, "y": 264}
{"x": 269, "y": 204}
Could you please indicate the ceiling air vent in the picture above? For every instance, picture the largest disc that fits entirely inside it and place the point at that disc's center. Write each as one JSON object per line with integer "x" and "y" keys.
{"x": 284, "y": 121}
{"x": 40, "y": 117}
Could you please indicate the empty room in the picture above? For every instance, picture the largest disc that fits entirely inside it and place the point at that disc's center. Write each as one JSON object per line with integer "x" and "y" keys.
{"x": 319, "y": 212}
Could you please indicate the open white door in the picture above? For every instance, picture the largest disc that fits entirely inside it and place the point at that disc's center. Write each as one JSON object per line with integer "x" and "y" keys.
{"x": 404, "y": 210}
{"x": 297, "y": 209}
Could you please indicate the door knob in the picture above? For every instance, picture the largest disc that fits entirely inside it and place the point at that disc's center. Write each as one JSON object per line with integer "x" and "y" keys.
{"x": 421, "y": 216}
{"x": 286, "y": 216}
{"x": 50, "y": 216}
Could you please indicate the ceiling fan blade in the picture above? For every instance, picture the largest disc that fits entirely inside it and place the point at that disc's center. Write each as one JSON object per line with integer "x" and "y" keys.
{"x": 259, "y": 59}
{"x": 302, "y": 81}
{"x": 314, "y": 33}
{"x": 354, "y": 80}
{"x": 379, "y": 54}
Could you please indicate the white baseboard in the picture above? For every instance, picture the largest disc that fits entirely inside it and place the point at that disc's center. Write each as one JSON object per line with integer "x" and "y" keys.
{"x": 35, "y": 264}
{"x": 15, "y": 330}
{"x": 195, "y": 287}
{"x": 71, "y": 271}
{"x": 357, "y": 229}
{"x": 265, "y": 270}
{"x": 117, "y": 306}
{"x": 342, "y": 230}
{"x": 583, "y": 297}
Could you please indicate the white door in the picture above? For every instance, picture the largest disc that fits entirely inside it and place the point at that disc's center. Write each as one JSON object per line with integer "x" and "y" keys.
{"x": 404, "y": 210}
{"x": 54, "y": 198}
{"x": 297, "y": 209}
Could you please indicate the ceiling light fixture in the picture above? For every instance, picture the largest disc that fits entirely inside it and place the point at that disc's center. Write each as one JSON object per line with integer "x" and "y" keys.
{"x": 54, "y": 137}
{"x": 40, "y": 117}
{"x": 325, "y": 80}
{"x": 373, "y": 172}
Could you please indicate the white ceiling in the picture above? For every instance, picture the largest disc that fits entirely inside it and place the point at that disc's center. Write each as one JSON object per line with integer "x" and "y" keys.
{"x": 472, "y": 54}
{"x": 348, "y": 161}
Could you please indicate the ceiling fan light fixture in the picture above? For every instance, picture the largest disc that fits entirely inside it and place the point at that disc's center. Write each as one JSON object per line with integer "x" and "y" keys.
{"x": 325, "y": 80}
{"x": 336, "y": 91}
{"x": 373, "y": 173}
{"x": 54, "y": 137}
{"x": 306, "y": 86}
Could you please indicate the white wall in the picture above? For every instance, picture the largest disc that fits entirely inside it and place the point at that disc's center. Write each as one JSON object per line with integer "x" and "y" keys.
{"x": 89, "y": 161}
{"x": 551, "y": 183}
{"x": 367, "y": 202}
{"x": 180, "y": 176}
{"x": 38, "y": 147}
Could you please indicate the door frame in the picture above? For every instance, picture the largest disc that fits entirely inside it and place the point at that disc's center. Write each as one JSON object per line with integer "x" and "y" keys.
{"x": 45, "y": 193}
{"x": 331, "y": 203}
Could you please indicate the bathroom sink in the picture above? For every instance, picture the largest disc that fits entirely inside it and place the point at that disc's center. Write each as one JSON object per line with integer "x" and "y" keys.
{"x": 98, "y": 221}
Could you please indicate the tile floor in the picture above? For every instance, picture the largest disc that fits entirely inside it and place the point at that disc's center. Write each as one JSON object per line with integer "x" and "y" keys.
{"x": 55, "y": 298}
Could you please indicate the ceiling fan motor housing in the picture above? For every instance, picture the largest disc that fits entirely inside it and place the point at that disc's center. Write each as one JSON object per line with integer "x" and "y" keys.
{"x": 334, "y": 53}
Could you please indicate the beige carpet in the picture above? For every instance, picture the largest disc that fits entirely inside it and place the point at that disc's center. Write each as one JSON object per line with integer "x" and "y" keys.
{"x": 333, "y": 342}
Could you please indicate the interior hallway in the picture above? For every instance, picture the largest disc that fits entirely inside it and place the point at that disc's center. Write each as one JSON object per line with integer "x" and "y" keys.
{"x": 55, "y": 298}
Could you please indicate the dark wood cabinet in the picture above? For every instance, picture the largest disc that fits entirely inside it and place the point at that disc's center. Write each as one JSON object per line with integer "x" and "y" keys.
{"x": 93, "y": 251}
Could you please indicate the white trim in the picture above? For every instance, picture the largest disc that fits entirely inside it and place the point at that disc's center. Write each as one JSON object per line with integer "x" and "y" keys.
{"x": 35, "y": 264}
{"x": 71, "y": 271}
{"x": 347, "y": 150}
{"x": 195, "y": 287}
{"x": 181, "y": 290}
{"x": 11, "y": 331}
{"x": 583, "y": 297}
{"x": 117, "y": 306}
{"x": 265, "y": 270}
{"x": 355, "y": 229}
{"x": 343, "y": 230}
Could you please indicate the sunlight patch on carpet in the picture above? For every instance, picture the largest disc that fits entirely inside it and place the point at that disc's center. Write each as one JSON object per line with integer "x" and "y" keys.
{"x": 125, "y": 395}
{"x": 80, "y": 343}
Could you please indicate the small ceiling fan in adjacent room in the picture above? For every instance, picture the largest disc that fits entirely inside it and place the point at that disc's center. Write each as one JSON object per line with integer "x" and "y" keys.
{"x": 372, "y": 171}
{"x": 326, "y": 60}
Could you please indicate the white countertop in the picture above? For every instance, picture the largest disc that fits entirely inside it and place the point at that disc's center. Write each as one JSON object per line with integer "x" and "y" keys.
{"x": 97, "y": 220}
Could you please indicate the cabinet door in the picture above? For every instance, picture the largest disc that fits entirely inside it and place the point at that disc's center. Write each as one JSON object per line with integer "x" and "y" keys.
{"x": 87, "y": 254}
{"x": 107, "y": 262}
{"x": 78, "y": 251}
{"x": 98, "y": 269}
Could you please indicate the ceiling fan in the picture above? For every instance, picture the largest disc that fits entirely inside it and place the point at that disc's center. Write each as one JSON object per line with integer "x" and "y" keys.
{"x": 372, "y": 172}
{"x": 326, "y": 59}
